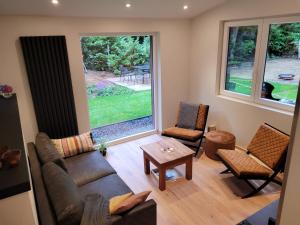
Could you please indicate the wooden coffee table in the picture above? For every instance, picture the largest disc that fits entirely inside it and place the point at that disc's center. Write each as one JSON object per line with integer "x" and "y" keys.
{"x": 166, "y": 154}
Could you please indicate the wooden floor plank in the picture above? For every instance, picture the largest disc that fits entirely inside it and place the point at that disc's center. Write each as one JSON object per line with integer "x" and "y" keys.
{"x": 208, "y": 199}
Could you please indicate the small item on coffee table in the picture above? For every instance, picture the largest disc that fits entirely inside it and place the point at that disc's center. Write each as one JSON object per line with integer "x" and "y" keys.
{"x": 11, "y": 157}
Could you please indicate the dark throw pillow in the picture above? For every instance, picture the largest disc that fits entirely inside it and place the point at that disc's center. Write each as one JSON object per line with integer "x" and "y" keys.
{"x": 187, "y": 115}
{"x": 63, "y": 194}
{"x": 47, "y": 152}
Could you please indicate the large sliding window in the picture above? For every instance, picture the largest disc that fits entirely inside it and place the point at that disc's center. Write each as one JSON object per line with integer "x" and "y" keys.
{"x": 261, "y": 61}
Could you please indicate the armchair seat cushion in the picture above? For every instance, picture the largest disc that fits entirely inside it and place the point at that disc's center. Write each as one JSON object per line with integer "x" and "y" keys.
{"x": 183, "y": 133}
{"x": 243, "y": 165}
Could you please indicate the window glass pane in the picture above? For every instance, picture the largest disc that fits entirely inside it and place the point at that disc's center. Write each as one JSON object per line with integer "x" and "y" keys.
{"x": 240, "y": 59}
{"x": 282, "y": 69}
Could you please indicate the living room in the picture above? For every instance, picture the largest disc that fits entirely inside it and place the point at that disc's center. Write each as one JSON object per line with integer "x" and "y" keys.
{"x": 187, "y": 66}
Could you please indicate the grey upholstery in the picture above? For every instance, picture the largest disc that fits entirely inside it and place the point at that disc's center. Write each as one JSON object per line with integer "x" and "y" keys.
{"x": 96, "y": 211}
{"x": 45, "y": 214}
{"x": 46, "y": 150}
{"x": 88, "y": 167}
{"x": 63, "y": 194}
{"x": 142, "y": 214}
{"x": 187, "y": 115}
{"x": 108, "y": 187}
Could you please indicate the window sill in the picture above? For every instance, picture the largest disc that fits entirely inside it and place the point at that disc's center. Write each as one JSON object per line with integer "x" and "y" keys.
{"x": 288, "y": 113}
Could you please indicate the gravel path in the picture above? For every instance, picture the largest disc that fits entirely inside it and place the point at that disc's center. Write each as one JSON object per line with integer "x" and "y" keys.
{"x": 123, "y": 129}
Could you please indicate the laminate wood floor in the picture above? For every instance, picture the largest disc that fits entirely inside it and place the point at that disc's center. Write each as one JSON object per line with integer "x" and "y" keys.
{"x": 208, "y": 199}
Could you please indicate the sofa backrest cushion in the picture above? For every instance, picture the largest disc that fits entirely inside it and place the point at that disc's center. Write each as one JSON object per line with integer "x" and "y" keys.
{"x": 63, "y": 194}
{"x": 47, "y": 152}
{"x": 45, "y": 212}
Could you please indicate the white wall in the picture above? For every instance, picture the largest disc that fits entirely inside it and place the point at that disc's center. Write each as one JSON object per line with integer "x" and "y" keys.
{"x": 290, "y": 196}
{"x": 240, "y": 118}
{"x": 174, "y": 40}
{"x": 18, "y": 209}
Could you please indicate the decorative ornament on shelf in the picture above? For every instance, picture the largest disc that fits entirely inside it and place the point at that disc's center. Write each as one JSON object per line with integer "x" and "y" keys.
{"x": 9, "y": 158}
{"x": 6, "y": 91}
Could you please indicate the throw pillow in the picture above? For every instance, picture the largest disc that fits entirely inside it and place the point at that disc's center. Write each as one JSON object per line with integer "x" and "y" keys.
{"x": 47, "y": 152}
{"x": 74, "y": 145}
{"x": 131, "y": 202}
{"x": 116, "y": 201}
{"x": 63, "y": 193}
{"x": 187, "y": 115}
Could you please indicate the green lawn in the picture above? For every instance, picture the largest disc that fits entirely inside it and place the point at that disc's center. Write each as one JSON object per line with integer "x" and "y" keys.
{"x": 282, "y": 91}
{"x": 105, "y": 110}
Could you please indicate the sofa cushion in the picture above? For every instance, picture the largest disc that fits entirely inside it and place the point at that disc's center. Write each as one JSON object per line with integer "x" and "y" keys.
{"x": 47, "y": 152}
{"x": 88, "y": 167}
{"x": 108, "y": 187}
{"x": 74, "y": 145}
{"x": 63, "y": 194}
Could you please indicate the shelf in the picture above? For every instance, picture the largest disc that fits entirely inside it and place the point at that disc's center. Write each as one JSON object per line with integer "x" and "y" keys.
{"x": 13, "y": 180}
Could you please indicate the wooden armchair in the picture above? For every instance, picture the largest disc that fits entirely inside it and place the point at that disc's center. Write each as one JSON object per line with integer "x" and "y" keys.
{"x": 264, "y": 159}
{"x": 191, "y": 135}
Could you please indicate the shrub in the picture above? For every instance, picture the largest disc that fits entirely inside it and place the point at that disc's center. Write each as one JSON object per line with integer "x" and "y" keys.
{"x": 109, "y": 53}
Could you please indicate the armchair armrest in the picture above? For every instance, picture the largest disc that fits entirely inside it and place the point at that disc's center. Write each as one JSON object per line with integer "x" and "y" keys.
{"x": 96, "y": 211}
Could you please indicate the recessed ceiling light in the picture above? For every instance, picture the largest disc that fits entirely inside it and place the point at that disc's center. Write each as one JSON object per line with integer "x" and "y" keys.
{"x": 55, "y": 2}
{"x": 185, "y": 7}
{"x": 128, "y": 5}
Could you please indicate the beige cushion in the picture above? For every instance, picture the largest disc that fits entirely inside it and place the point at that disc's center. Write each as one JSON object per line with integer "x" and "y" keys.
{"x": 243, "y": 164}
{"x": 183, "y": 133}
{"x": 131, "y": 202}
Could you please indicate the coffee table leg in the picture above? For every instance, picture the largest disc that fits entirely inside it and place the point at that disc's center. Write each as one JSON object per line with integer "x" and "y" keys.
{"x": 146, "y": 165}
{"x": 162, "y": 179}
{"x": 189, "y": 169}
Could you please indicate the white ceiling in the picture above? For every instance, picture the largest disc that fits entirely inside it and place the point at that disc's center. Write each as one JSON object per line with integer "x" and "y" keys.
{"x": 108, "y": 8}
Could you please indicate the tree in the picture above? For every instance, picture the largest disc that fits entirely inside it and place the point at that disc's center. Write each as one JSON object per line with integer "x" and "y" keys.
{"x": 109, "y": 53}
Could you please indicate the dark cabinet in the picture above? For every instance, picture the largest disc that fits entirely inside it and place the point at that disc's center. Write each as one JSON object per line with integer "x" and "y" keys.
{"x": 12, "y": 180}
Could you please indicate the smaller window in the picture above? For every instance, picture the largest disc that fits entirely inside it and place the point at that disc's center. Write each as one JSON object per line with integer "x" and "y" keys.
{"x": 240, "y": 59}
{"x": 261, "y": 61}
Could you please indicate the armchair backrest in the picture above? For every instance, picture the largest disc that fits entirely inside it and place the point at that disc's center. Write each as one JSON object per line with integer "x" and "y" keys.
{"x": 202, "y": 117}
{"x": 269, "y": 145}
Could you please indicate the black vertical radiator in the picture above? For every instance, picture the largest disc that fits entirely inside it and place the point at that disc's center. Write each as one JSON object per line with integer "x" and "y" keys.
{"x": 49, "y": 77}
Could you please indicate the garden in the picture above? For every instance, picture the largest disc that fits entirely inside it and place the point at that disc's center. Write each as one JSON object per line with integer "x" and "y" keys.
{"x": 118, "y": 82}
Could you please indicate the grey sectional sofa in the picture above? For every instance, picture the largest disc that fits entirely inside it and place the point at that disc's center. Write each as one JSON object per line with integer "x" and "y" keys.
{"x": 92, "y": 174}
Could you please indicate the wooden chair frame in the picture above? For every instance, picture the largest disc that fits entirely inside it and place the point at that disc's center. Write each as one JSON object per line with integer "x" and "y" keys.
{"x": 200, "y": 139}
{"x": 278, "y": 168}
